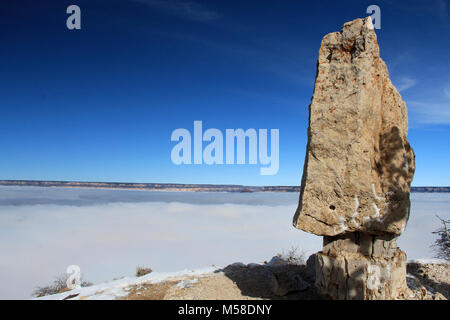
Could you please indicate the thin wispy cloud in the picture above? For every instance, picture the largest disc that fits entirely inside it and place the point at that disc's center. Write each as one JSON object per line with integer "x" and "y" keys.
{"x": 447, "y": 91}
{"x": 436, "y": 112}
{"x": 431, "y": 113}
{"x": 261, "y": 56}
{"x": 405, "y": 83}
{"x": 189, "y": 10}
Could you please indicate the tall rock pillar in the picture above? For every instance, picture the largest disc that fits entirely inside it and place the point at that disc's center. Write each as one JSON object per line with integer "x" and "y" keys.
{"x": 358, "y": 169}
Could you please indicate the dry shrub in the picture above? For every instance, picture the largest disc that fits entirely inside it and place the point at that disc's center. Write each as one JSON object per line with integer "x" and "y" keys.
{"x": 142, "y": 271}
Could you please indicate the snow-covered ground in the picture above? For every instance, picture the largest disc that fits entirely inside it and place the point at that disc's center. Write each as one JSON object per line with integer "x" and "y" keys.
{"x": 115, "y": 289}
{"x": 110, "y": 232}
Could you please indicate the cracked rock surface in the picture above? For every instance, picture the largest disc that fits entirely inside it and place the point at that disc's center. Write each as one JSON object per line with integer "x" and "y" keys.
{"x": 358, "y": 170}
{"x": 359, "y": 164}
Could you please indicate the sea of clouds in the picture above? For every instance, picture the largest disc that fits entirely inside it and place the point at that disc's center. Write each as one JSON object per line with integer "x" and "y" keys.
{"x": 110, "y": 232}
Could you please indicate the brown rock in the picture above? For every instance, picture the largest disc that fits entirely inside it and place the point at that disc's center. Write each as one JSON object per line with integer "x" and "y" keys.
{"x": 361, "y": 267}
{"x": 358, "y": 170}
{"x": 359, "y": 164}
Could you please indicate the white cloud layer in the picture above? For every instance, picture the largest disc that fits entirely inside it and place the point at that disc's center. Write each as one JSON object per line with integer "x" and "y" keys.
{"x": 405, "y": 83}
{"x": 108, "y": 233}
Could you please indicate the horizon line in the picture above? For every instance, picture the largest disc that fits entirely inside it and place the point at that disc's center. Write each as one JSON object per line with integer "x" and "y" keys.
{"x": 11, "y": 181}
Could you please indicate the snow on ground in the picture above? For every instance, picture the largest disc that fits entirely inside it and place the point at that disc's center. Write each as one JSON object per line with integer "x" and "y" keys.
{"x": 118, "y": 288}
{"x": 429, "y": 261}
{"x": 108, "y": 233}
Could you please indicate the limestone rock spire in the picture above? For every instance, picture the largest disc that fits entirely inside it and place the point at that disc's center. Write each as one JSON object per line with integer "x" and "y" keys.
{"x": 359, "y": 164}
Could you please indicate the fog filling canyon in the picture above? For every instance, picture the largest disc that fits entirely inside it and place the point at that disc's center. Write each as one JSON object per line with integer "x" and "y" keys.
{"x": 110, "y": 232}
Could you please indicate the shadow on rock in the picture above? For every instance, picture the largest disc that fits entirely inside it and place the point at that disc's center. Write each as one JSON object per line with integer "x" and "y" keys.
{"x": 278, "y": 280}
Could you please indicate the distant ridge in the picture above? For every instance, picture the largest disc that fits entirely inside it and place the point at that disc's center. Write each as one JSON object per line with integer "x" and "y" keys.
{"x": 176, "y": 186}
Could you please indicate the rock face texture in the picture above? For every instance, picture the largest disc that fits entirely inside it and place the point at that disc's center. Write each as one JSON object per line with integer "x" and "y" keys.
{"x": 358, "y": 169}
{"x": 359, "y": 164}
{"x": 358, "y": 266}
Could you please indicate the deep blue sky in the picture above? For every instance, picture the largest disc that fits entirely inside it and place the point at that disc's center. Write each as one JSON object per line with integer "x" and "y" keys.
{"x": 100, "y": 103}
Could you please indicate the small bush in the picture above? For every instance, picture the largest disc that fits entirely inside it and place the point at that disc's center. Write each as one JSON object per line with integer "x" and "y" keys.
{"x": 142, "y": 271}
{"x": 293, "y": 256}
{"x": 59, "y": 285}
{"x": 441, "y": 245}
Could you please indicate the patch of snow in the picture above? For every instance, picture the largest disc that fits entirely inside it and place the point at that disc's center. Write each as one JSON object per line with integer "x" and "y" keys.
{"x": 375, "y": 193}
{"x": 429, "y": 261}
{"x": 186, "y": 283}
{"x": 377, "y": 211}
{"x": 356, "y": 206}
{"x": 118, "y": 288}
